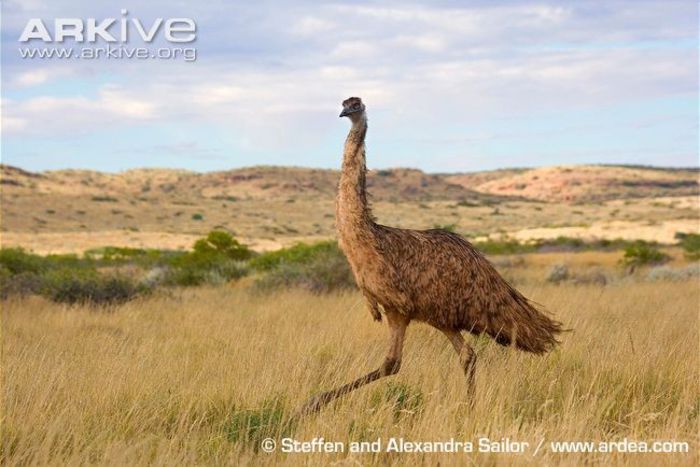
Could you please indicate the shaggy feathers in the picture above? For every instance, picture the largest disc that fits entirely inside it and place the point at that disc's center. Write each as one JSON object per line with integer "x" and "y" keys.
{"x": 432, "y": 276}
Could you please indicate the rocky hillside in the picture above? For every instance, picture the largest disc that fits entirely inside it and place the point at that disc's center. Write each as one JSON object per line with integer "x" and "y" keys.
{"x": 556, "y": 184}
{"x": 248, "y": 183}
{"x": 266, "y": 207}
{"x": 577, "y": 184}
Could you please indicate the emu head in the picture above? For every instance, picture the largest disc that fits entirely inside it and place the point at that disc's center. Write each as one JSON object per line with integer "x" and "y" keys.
{"x": 353, "y": 108}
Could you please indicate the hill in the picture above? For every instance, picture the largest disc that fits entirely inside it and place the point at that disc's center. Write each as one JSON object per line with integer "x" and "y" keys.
{"x": 576, "y": 184}
{"x": 73, "y": 210}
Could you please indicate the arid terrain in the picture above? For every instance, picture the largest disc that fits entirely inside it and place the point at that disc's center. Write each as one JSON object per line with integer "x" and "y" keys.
{"x": 202, "y": 369}
{"x": 203, "y": 376}
{"x": 269, "y": 207}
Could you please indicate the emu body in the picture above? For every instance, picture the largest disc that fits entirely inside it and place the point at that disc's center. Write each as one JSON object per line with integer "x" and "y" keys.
{"x": 433, "y": 276}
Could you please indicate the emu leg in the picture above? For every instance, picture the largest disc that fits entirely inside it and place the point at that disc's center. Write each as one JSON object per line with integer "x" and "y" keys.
{"x": 392, "y": 363}
{"x": 467, "y": 356}
{"x": 373, "y": 308}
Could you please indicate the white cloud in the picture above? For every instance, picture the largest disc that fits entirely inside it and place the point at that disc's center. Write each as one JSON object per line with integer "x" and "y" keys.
{"x": 114, "y": 100}
{"x": 425, "y": 42}
{"x": 217, "y": 94}
{"x": 40, "y": 75}
{"x": 32, "y": 78}
{"x": 310, "y": 25}
{"x": 357, "y": 49}
{"x": 46, "y": 115}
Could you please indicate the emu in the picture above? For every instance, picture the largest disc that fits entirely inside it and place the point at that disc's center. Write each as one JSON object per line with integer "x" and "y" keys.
{"x": 433, "y": 276}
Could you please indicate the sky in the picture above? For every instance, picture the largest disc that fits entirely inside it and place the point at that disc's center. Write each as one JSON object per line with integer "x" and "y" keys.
{"x": 450, "y": 86}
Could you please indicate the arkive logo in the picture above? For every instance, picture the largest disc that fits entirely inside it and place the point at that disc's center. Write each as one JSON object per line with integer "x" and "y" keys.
{"x": 110, "y": 30}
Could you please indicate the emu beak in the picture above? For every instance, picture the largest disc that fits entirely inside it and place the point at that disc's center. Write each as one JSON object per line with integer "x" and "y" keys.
{"x": 344, "y": 113}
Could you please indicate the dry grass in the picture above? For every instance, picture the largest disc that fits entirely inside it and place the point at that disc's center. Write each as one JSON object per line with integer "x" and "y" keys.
{"x": 78, "y": 224}
{"x": 175, "y": 380}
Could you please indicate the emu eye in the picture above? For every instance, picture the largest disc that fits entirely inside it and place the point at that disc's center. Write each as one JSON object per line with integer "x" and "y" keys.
{"x": 356, "y": 106}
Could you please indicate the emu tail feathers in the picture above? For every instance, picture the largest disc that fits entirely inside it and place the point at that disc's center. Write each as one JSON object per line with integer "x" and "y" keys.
{"x": 516, "y": 321}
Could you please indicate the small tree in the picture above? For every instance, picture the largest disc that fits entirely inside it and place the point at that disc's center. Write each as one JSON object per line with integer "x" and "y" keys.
{"x": 690, "y": 242}
{"x": 641, "y": 253}
{"x": 219, "y": 242}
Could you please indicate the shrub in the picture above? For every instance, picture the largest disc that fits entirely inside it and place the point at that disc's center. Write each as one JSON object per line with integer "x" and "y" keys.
{"x": 690, "y": 242}
{"x": 193, "y": 270}
{"x": 116, "y": 253}
{"x": 509, "y": 246}
{"x": 219, "y": 242}
{"x": 326, "y": 270}
{"x": 508, "y": 262}
{"x": 215, "y": 259}
{"x": 667, "y": 273}
{"x": 104, "y": 199}
{"x": 592, "y": 277}
{"x": 504, "y": 247}
{"x": 197, "y": 217}
{"x": 185, "y": 276}
{"x": 146, "y": 258}
{"x": 558, "y": 273}
{"x": 22, "y": 284}
{"x": 69, "y": 261}
{"x": 447, "y": 227}
{"x": 561, "y": 244}
{"x": 641, "y": 253}
{"x": 154, "y": 277}
{"x": 17, "y": 261}
{"x": 71, "y": 286}
{"x": 298, "y": 254}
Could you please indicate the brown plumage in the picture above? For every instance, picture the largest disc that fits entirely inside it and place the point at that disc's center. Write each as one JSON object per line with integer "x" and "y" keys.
{"x": 433, "y": 276}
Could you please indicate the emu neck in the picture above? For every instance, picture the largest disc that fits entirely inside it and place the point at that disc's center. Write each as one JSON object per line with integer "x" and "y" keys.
{"x": 353, "y": 216}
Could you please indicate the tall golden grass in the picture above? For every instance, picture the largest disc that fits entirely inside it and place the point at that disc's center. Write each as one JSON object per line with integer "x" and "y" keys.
{"x": 202, "y": 376}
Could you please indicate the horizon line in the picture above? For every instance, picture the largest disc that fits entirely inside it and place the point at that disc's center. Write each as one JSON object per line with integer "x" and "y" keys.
{"x": 304, "y": 167}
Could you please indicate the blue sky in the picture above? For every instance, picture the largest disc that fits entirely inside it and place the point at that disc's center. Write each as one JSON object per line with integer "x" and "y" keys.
{"x": 450, "y": 86}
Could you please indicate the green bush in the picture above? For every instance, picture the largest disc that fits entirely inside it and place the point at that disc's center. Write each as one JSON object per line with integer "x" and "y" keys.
{"x": 104, "y": 199}
{"x": 185, "y": 276}
{"x": 323, "y": 270}
{"x": 75, "y": 286}
{"x": 559, "y": 244}
{"x": 222, "y": 243}
{"x": 193, "y": 270}
{"x": 22, "y": 284}
{"x": 17, "y": 261}
{"x": 215, "y": 259}
{"x": 73, "y": 279}
{"x": 447, "y": 227}
{"x": 504, "y": 247}
{"x": 146, "y": 258}
{"x": 300, "y": 253}
{"x": 690, "y": 242}
{"x": 116, "y": 253}
{"x": 641, "y": 253}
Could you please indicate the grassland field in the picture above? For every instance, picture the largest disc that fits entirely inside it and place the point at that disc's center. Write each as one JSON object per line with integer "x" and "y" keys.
{"x": 201, "y": 376}
{"x": 191, "y": 374}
